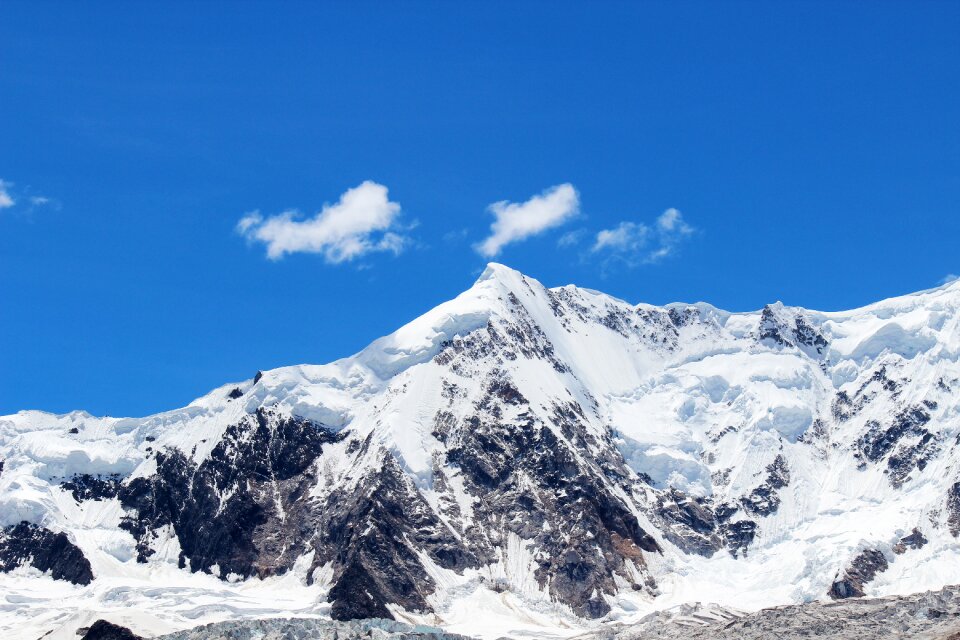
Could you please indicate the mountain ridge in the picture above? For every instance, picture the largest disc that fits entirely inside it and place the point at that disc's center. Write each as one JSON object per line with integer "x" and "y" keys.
{"x": 491, "y": 272}
{"x": 553, "y": 456}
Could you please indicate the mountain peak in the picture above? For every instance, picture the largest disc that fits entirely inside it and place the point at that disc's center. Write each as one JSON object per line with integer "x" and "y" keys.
{"x": 496, "y": 270}
{"x": 502, "y": 276}
{"x": 593, "y": 456}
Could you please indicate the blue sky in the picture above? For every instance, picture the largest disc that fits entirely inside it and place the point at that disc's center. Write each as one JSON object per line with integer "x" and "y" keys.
{"x": 737, "y": 153}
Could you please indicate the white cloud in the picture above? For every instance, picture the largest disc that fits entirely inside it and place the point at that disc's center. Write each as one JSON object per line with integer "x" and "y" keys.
{"x": 571, "y": 238}
{"x": 23, "y": 200}
{"x": 518, "y": 221}
{"x": 456, "y": 237}
{"x": 626, "y": 236}
{"x": 950, "y": 277}
{"x": 638, "y": 243}
{"x": 6, "y": 200}
{"x": 364, "y": 220}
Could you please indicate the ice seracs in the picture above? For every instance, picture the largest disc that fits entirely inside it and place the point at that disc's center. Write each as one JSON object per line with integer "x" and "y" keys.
{"x": 554, "y": 457}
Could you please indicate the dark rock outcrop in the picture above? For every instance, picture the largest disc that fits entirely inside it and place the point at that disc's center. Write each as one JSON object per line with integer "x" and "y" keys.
{"x": 764, "y": 500}
{"x": 809, "y": 336}
{"x": 92, "y": 487}
{"x": 33, "y": 545}
{"x": 914, "y": 540}
{"x": 701, "y": 526}
{"x": 953, "y": 509}
{"x": 104, "y": 630}
{"x": 536, "y": 487}
{"x": 225, "y": 511}
{"x": 905, "y": 442}
{"x": 776, "y": 328}
{"x": 689, "y": 522}
{"x": 862, "y": 570}
{"x": 846, "y": 406}
{"x": 373, "y": 532}
{"x": 246, "y": 510}
{"x": 534, "y": 481}
{"x": 739, "y": 536}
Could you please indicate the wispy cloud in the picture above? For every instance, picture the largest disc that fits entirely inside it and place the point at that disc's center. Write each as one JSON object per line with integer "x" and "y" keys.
{"x": 23, "y": 200}
{"x": 456, "y": 237}
{"x": 950, "y": 277}
{"x": 571, "y": 238}
{"x": 6, "y": 200}
{"x": 518, "y": 221}
{"x": 634, "y": 243}
{"x": 363, "y": 221}
{"x": 626, "y": 236}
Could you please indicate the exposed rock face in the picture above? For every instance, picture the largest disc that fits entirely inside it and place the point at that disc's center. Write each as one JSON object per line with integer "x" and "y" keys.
{"x": 784, "y": 329}
{"x": 85, "y": 486}
{"x": 846, "y": 406}
{"x": 29, "y": 544}
{"x": 690, "y": 522}
{"x": 103, "y": 630}
{"x": 536, "y": 485}
{"x": 907, "y": 430}
{"x": 227, "y": 511}
{"x": 739, "y": 536}
{"x": 764, "y": 500}
{"x": 953, "y": 509}
{"x": 862, "y": 570}
{"x": 914, "y": 540}
{"x": 372, "y": 534}
{"x": 246, "y": 511}
{"x": 706, "y": 527}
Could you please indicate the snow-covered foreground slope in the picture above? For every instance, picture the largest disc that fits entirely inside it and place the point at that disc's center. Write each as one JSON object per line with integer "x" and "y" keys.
{"x": 517, "y": 461}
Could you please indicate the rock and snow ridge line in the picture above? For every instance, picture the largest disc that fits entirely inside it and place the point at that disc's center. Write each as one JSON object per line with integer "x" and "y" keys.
{"x": 553, "y": 456}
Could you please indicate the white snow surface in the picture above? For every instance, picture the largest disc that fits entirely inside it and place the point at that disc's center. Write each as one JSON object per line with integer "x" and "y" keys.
{"x": 706, "y": 416}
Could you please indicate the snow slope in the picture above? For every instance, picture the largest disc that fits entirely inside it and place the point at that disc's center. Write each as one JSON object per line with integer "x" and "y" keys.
{"x": 563, "y": 458}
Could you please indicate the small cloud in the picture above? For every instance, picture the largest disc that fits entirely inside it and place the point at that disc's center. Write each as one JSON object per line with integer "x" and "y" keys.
{"x": 518, "y": 221}
{"x": 671, "y": 221}
{"x": 626, "y": 236}
{"x": 950, "y": 277}
{"x": 6, "y": 200}
{"x": 571, "y": 238}
{"x": 23, "y": 201}
{"x": 456, "y": 237}
{"x": 634, "y": 243}
{"x": 671, "y": 230}
{"x": 363, "y": 221}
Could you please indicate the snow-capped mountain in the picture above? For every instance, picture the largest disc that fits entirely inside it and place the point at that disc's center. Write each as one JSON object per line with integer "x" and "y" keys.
{"x": 548, "y": 457}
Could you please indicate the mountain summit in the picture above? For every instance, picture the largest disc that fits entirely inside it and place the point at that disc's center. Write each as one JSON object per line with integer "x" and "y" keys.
{"x": 550, "y": 457}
